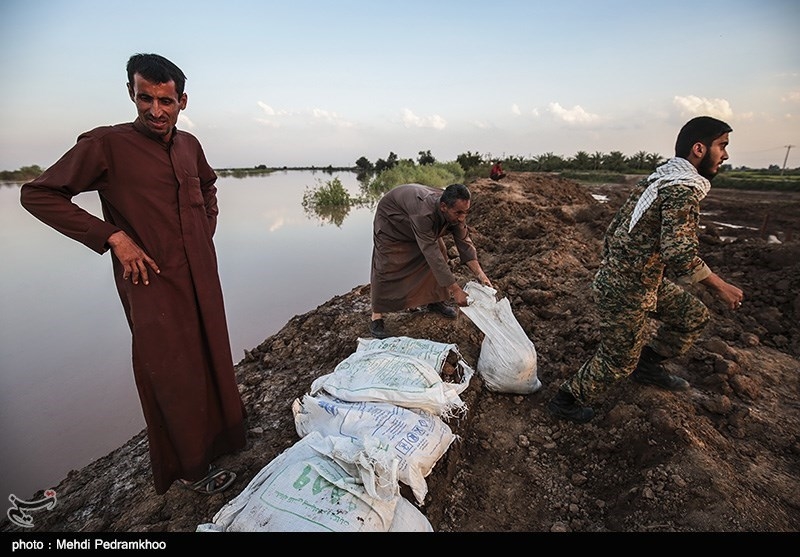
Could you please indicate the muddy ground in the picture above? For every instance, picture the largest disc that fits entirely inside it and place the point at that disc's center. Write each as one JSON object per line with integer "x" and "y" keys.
{"x": 722, "y": 457}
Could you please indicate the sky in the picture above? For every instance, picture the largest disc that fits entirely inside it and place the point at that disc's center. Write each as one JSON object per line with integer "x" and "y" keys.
{"x": 302, "y": 82}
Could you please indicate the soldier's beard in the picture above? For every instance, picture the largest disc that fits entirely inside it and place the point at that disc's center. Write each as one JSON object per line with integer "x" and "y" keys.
{"x": 706, "y": 168}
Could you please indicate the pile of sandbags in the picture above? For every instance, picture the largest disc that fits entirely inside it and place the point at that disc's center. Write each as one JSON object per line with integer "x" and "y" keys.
{"x": 376, "y": 421}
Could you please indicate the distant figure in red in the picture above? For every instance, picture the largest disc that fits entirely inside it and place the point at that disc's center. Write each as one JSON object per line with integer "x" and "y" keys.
{"x": 497, "y": 171}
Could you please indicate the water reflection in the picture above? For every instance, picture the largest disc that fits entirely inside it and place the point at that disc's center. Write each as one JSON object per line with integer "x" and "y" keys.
{"x": 334, "y": 214}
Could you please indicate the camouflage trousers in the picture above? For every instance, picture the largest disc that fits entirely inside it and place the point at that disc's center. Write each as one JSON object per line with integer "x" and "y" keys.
{"x": 624, "y": 331}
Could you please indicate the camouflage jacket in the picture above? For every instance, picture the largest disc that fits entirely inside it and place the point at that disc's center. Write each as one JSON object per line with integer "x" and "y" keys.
{"x": 663, "y": 242}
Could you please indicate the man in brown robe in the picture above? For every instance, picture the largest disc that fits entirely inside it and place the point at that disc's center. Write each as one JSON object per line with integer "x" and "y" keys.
{"x": 159, "y": 205}
{"x": 409, "y": 258}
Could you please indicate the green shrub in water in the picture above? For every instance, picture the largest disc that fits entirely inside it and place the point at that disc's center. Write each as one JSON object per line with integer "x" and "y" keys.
{"x": 330, "y": 194}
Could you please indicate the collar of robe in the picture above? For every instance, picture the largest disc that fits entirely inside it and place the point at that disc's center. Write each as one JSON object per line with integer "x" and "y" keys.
{"x": 140, "y": 127}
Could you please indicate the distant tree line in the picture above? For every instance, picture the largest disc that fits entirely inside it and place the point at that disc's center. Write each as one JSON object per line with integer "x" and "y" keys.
{"x": 546, "y": 162}
{"x": 583, "y": 163}
{"x": 24, "y": 174}
{"x": 475, "y": 165}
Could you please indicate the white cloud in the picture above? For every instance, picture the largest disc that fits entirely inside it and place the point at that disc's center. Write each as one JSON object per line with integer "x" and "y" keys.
{"x": 187, "y": 123}
{"x": 515, "y": 109}
{"x": 576, "y": 115}
{"x": 792, "y": 97}
{"x": 315, "y": 114}
{"x": 700, "y": 106}
{"x": 268, "y": 110}
{"x": 330, "y": 118}
{"x": 411, "y": 120}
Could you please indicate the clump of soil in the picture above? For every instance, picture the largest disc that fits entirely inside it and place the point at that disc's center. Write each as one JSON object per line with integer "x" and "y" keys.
{"x": 721, "y": 457}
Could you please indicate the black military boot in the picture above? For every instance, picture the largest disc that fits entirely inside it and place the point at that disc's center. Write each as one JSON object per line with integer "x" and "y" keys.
{"x": 566, "y": 407}
{"x": 650, "y": 371}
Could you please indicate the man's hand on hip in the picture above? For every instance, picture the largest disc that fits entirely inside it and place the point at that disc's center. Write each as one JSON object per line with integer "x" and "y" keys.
{"x": 134, "y": 260}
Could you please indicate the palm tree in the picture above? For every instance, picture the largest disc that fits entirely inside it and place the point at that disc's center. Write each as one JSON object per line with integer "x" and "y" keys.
{"x": 638, "y": 161}
{"x": 581, "y": 160}
{"x": 614, "y": 161}
{"x": 597, "y": 160}
{"x": 653, "y": 160}
{"x": 549, "y": 162}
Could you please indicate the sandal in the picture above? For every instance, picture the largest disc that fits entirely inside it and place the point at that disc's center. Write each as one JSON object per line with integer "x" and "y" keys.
{"x": 217, "y": 480}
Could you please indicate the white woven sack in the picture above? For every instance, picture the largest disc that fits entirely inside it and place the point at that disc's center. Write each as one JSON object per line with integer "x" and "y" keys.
{"x": 416, "y": 438}
{"x": 304, "y": 489}
{"x": 508, "y": 361}
{"x": 400, "y": 370}
{"x": 435, "y": 353}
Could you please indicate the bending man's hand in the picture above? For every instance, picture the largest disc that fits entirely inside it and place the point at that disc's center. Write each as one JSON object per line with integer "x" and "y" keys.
{"x": 134, "y": 260}
{"x": 476, "y": 269}
{"x": 458, "y": 294}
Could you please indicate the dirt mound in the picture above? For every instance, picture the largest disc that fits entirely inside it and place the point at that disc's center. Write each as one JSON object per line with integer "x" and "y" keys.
{"x": 722, "y": 457}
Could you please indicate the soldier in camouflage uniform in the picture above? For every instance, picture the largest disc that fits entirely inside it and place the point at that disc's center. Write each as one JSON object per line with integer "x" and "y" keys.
{"x": 649, "y": 253}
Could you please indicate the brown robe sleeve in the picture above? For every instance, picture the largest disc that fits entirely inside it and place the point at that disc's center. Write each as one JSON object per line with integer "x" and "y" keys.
{"x": 49, "y": 197}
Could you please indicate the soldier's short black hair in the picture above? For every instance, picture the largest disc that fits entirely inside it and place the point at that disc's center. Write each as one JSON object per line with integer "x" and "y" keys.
{"x": 157, "y": 69}
{"x": 454, "y": 192}
{"x": 704, "y": 129}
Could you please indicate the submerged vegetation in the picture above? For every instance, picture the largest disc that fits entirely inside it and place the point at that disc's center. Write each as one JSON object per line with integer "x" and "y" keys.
{"x": 263, "y": 169}
{"x": 329, "y": 201}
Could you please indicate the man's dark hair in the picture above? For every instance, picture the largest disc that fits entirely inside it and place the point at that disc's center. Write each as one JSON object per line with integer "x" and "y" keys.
{"x": 703, "y": 129}
{"x": 454, "y": 192}
{"x": 157, "y": 69}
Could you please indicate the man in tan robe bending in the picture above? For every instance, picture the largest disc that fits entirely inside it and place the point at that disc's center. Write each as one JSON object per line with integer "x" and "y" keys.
{"x": 159, "y": 203}
{"x": 409, "y": 258}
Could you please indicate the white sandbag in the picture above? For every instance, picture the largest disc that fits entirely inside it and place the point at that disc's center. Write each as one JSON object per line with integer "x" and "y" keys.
{"x": 304, "y": 489}
{"x": 507, "y": 362}
{"x": 408, "y": 518}
{"x": 435, "y": 353}
{"x": 418, "y": 439}
{"x": 399, "y": 370}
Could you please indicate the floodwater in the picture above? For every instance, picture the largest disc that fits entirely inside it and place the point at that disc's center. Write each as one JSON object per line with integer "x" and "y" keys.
{"x": 68, "y": 395}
